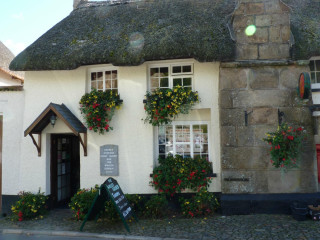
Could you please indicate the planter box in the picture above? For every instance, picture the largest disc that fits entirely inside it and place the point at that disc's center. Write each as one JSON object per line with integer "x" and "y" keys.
{"x": 299, "y": 211}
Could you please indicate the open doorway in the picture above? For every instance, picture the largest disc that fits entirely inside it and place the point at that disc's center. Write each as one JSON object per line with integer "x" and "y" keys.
{"x": 65, "y": 168}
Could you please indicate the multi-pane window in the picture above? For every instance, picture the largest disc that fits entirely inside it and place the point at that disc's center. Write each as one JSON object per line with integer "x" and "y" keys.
{"x": 187, "y": 140}
{"x": 104, "y": 80}
{"x": 315, "y": 70}
{"x": 169, "y": 76}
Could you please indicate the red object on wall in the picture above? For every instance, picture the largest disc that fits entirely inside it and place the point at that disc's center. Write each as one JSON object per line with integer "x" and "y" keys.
{"x": 318, "y": 161}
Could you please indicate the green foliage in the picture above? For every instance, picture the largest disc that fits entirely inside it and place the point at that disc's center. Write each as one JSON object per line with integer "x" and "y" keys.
{"x": 81, "y": 202}
{"x": 156, "y": 206}
{"x": 164, "y": 104}
{"x": 175, "y": 174}
{"x": 202, "y": 203}
{"x": 137, "y": 202}
{"x": 286, "y": 145}
{"x": 29, "y": 206}
{"x": 98, "y": 108}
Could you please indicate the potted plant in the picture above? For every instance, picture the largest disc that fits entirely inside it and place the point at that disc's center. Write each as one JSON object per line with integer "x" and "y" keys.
{"x": 285, "y": 146}
{"x": 98, "y": 109}
{"x": 163, "y": 104}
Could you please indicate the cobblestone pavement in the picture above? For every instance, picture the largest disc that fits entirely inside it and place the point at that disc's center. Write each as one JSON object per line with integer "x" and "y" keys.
{"x": 282, "y": 227}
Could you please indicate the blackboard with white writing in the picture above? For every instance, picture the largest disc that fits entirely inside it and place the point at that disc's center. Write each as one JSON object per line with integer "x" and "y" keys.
{"x": 119, "y": 199}
{"x": 109, "y": 160}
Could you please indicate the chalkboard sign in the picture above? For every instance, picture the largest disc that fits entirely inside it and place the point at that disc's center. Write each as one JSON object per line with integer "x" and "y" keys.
{"x": 109, "y": 160}
{"x": 110, "y": 189}
{"x": 119, "y": 199}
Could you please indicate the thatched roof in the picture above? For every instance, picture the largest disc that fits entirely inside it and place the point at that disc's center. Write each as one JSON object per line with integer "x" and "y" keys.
{"x": 6, "y": 56}
{"x": 129, "y": 34}
{"x": 305, "y": 27}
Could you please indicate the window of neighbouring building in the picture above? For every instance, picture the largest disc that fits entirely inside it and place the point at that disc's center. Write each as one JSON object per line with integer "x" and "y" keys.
{"x": 189, "y": 139}
{"x": 104, "y": 79}
{"x": 170, "y": 75}
{"x": 315, "y": 70}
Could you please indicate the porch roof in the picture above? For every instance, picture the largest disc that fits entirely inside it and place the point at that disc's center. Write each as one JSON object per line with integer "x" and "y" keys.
{"x": 62, "y": 112}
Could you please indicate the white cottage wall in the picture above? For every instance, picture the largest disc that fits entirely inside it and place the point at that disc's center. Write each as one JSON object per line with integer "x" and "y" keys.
{"x": 11, "y": 108}
{"x": 134, "y": 138}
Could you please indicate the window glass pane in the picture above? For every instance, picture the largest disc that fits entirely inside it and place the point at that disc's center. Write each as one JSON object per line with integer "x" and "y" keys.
{"x": 186, "y": 69}
{"x": 108, "y": 84}
{"x": 311, "y": 65}
{"x": 164, "y": 82}
{"x": 108, "y": 75}
{"x": 114, "y": 83}
{"x": 182, "y": 133}
{"x": 204, "y": 128}
{"x": 114, "y": 75}
{"x": 94, "y": 84}
{"x": 318, "y": 77}
{"x": 162, "y": 148}
{"x": 93, "y": 76}
{"x": 313, "y": 77}
{"x": 154, "y": 72}
{"x": 317, "y": 65}
{"x": 100, "y": 85}
{"x": 177, "y": 82}
{"x": 187, "y": 82}
{"x": 176, "y": 69}
{"x": 154, "y": 82}
{"x": 99, "y": 76}
{"x": 169, "y": 130}
{"x": 164, "y": 72}
{"x": 169, "y": 149}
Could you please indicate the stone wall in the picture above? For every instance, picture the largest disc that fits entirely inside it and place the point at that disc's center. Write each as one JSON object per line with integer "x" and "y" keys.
{"x": 272, "y": 37}
{"x": 261, "y": 89}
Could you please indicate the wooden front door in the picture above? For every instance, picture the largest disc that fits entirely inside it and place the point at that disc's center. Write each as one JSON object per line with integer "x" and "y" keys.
{"x": 65, "y": 168}
{"x": 1, "y": 126}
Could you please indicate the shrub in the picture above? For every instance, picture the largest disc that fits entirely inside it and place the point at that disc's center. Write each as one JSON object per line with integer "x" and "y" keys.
{"x": 202, "y": 203}
{"x": 98, "y": 109}
{"x": 156, "y": 206}
{"x": 164, "y": 104}
{"x": 81, "y": 202}
{"x": 137, "y": 202}
{"x": 175, "y": 174}
{"x": 286, "y": 145}
{"x": 29, "y": 206}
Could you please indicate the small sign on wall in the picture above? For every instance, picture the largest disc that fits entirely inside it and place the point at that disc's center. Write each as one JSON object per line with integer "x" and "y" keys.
{"x": 109, "y": 160}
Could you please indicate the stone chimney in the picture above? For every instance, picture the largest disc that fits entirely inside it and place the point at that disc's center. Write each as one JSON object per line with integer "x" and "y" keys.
{"x": 268, "y": 37}
{"x": 77, "y": 2}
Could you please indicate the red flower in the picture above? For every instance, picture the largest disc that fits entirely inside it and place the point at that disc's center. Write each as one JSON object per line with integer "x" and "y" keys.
{"x": 179, "y": 182}
{"x": 290, "y": 137}
{"x": 106, "y": 127}
{"x": 192, "y": 174}
{"x": 299, "y": 129}
{"x": 203, "y": 171}
{"x": 191, "y": 214}
{"x": 90, "y": 128}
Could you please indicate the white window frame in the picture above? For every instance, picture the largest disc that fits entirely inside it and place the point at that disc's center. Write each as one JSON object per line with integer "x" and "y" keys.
{"x": 103, "y": 70}
{"x": 190, "y": 123}
{"x": 172, "y": 75}
{"x": 316, "y": 71}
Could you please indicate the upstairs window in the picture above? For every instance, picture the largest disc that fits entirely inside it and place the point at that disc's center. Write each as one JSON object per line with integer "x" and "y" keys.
{"x": 172, "y": 75}
{"x": 315, "y": 70}
{"x": 104, "y": 80}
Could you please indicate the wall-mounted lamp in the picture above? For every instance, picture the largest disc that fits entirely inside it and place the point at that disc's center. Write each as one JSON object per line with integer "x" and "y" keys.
{"x": 53, "y": 119}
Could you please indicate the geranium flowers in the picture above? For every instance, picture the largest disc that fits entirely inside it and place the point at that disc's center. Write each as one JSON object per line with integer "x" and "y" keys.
{"x": 98, "y": 108}
{"x": 286, "y": 143}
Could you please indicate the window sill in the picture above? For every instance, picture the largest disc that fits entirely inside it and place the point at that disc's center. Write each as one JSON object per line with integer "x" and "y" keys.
{"x": 211, "y": 174}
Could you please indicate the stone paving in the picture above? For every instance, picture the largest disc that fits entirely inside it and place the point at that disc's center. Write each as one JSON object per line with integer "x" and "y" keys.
{"x": 282, "y": 227}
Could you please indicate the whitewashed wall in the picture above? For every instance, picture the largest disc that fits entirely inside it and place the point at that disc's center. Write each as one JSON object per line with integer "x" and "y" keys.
{"x": 134, "y": 138}
{"x": 6, "y": 80}
{"x": 11, "y": 108}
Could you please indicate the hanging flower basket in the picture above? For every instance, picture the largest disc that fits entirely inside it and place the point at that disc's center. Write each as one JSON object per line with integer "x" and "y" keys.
{"x": 98, "y": 108}
{"x": 162, "y": 105}
{"x": 286, "y": 144}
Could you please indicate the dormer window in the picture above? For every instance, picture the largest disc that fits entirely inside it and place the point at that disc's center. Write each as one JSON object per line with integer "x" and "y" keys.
{"x": 170, "y": 75}
{"x": 104, "y": 80}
